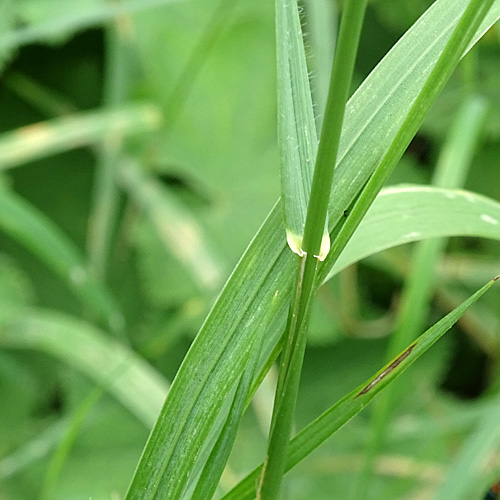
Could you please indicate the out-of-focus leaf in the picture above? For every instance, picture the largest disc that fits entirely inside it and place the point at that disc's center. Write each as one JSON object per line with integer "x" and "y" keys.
{"x": 228, "y": 150}
{"x": 31, "y": 451}
{"x": 177, "y": 229}
{"x": 109, "y": 363}
{"x": 61, "y": 134}
{"x": 56, "y": 19}
{"x": 24, "y": 223}
{"x": 467, "y": 475}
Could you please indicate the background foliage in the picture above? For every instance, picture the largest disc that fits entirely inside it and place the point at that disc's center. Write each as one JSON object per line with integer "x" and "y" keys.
{"x": 195, "y": 111}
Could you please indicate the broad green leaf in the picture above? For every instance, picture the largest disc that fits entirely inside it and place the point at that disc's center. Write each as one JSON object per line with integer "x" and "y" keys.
{"x": 109, "y": 363}
{"x": 24, "y": 223}
{"x": 80, "y": 129}
{"x": 334, "y": 418}
{"x": 402, "y": 214}
{"x": 260, "y": 285}
{"x": 297, "y": 136}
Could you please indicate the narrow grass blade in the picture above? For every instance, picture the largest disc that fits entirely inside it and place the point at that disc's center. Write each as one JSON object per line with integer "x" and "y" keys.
{"x": 467, "y": 476}
{"x": 74, "y": 19}
{"x": 207, "y": 483}
{"x": 451, "y": 171}
{"x": 61, "y": 134}
{"x": 32, "y": 451}
{"x": 259, "y": 287}
{"x": 297, "y": 136}
{"x": 24, "y": 223}
{"x": 179, "y": 231}
{"x": 333, "y": 419}
{"x": 117, "y": 369}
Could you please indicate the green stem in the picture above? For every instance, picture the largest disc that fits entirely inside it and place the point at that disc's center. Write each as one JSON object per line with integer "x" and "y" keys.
{"x": 340, "y": 83}
{"x": 105, "y": 190}
{"x": 288, "y": 380}
{"x": 209, "y": 38}
{"x": 306, "y": 283}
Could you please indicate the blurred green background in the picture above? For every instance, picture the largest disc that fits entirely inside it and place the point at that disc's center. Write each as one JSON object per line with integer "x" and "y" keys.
{"x": 208, "y": 69}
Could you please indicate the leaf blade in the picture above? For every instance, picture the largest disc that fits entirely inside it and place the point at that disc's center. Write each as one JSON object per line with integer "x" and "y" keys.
{"x": 335, "y": 417}
{"x": 217, "y": 357}
{"x": 106, "y": 361}
{"x": 30, "y": 227}
{"x": 297, "y": 137}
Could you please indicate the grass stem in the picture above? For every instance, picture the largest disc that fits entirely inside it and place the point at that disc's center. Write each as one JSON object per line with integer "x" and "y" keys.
{"x": 306, "y": 282}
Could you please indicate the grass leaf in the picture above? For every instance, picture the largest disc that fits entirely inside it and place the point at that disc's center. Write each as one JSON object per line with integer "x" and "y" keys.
{"x": 260, "y": 285}
{"x": 24, "y": 223}
{"x": 406, "y": 213}
{"x": 116, "y": 368}
{"x": 298, "y": 141}
{"x": 433, "y": 85}
{"x": 70, "y": 20}
{"x": 79, "y": 129}
{"x": 314, "y": 246}
{"x": 334, "y": 418}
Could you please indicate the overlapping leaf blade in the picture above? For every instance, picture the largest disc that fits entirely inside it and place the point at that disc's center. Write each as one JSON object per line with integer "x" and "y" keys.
{"x": 260, "y": 284}
{"x": 326, "y": 424}
{"x": 298, "y": 141}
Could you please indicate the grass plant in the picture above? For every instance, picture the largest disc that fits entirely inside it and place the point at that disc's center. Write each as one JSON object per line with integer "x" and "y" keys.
{"x": 112, "y": 274}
